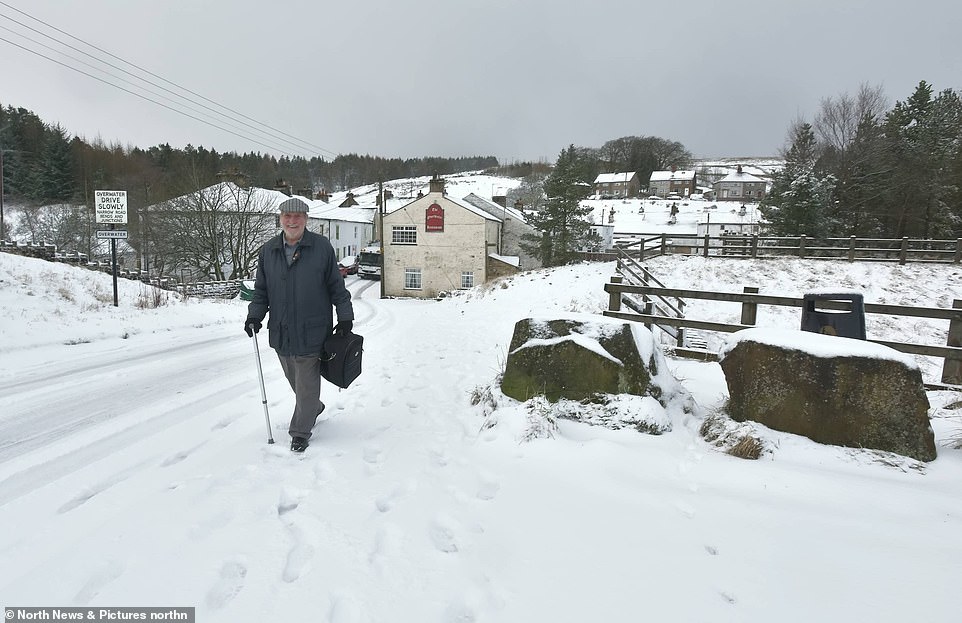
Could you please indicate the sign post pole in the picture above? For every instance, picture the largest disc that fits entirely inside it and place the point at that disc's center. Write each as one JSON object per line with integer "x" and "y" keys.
{"x": 113, "y": 263}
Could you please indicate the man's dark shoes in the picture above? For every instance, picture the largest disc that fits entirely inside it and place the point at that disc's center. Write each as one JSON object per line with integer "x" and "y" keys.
{"x": 298, "y": 444}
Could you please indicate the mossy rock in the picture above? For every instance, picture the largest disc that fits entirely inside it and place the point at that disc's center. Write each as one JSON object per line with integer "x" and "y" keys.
{"x": 853, "y": 400}
{"x": 576, "y": 360}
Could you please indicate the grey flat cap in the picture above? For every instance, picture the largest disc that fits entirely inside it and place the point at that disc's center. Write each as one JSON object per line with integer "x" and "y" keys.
{"x": 293, "y": 205}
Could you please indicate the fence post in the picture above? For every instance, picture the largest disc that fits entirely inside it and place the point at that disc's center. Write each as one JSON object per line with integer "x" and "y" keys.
{"x": 614, "y": 298}
{"x": 801, "y": 246}
{"x": 641, "y": 249}
{"x": 952, "y": 368}
{"x": 851, "y": 248}
{"x": 706, "y": 245}
{"x": 904, "y": 250}
{"x": 958, "y": 250}
{"x": 649, "y": 308}
{"x": 664, "y": 244}
{"x": 749, "y": 310}
{"x": 754, "y": 245}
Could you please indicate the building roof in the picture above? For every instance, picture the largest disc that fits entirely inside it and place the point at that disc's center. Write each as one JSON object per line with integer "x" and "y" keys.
{"x": 355, "y": 214}
{"x": 609, "y": 178}
{"x": 458, "y": 202}
{"x": 671, "y": 176}
{"x": 740, "y": 177}
{"x": 494, "y": 208}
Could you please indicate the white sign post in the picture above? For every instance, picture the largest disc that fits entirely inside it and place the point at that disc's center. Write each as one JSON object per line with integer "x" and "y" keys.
{"x": 110, "y": 207}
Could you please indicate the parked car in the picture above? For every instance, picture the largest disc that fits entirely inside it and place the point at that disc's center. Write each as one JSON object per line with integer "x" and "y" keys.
{"x": 348, "y": 265}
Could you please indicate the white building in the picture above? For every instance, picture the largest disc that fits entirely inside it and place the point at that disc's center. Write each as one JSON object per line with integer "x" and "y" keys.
{"x": 348, "y": 229}
{"x": 437, "y": 243}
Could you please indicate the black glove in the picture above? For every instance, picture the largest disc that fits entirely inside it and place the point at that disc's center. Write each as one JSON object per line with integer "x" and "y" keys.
{"x": 343, "y": 327}
{"x": 252, "y": 326}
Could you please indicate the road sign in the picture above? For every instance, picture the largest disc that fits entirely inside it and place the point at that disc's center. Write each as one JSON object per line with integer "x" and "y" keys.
{"x": 107, "y": 234}
{"x": 111, "y": 206}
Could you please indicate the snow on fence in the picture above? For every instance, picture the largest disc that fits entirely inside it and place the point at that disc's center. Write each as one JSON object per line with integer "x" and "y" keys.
{"x": 899, "y": 250}
{"x": 951, "y": 353}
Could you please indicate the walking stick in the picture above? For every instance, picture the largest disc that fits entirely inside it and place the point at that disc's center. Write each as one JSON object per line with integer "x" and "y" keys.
{"x": 260, "y": 376}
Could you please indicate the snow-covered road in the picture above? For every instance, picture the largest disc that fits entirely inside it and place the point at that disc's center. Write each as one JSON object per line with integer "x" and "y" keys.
{"x": 134, "y": 471}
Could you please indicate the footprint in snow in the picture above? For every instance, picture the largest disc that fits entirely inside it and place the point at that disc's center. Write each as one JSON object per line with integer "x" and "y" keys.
{"x": 387, "y": 543}
{"x": 104, "y": 573}
{"x": 386, "y": 502}
{"x": 298, "y": 557}
{"x": 443, "y": 534}
{"x": 228, "y": 585}
{"x": 345, "y": 608}
{"x": 488, "y": 487}
{"x": 95, "y": 489}
{"x": 209, "y": 525}
{"x": 685, "y": 509}
{"x": 180, "y": 456}
{"x": 372, "y": 454}
{"x": 289, "y": 500}
{"x": 223, "y": 423}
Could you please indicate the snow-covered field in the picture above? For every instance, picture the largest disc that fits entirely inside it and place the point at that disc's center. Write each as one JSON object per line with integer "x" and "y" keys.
{"x": 134, "y": 470}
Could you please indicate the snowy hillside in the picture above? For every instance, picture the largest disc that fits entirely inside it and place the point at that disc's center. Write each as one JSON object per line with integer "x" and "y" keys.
{"x": 134, "y": 470}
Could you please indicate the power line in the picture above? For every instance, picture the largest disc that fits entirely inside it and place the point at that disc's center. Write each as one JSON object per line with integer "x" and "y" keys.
{"x": 148, "y": 72}
{"x": 143, "y": 97}
{"x": 95, "y": 68}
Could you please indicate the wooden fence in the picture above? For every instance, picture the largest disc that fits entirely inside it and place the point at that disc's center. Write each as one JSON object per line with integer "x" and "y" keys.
{"x": 901, "y": 250}
{"x": 951, "y": 353}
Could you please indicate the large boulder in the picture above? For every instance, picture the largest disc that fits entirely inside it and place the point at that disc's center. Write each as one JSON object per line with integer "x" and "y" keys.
{"x": 832, "y": 390}
{"x": 579, "y": 358}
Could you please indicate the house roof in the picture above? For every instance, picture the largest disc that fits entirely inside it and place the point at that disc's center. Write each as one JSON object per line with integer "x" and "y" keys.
{"x": 740, "y": 177}
{"x": 228, "y": 193}
{"x": 354, "y": 214}
{"x": 672, "y": 176}
{"x": 494, "y": 208}
{"x": 608, "y": 178}
{"x": 458, "y": 202}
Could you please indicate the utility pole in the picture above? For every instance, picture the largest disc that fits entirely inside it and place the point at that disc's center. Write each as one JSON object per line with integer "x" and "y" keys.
{"x": 380, "y": 229}
{"x": 3, "y": 231}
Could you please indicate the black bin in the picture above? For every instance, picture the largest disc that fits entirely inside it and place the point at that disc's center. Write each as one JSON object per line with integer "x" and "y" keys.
{"x": 841, "y": 322}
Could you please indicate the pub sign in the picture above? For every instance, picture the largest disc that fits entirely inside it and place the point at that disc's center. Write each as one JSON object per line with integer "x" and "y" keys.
{"x": 434, "y": 218}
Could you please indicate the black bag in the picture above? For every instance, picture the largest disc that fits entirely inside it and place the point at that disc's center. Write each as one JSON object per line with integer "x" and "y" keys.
{"x": 341, "y": 358}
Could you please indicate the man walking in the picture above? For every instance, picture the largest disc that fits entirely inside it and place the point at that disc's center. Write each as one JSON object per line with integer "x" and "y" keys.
{"x": 298, "y": 282}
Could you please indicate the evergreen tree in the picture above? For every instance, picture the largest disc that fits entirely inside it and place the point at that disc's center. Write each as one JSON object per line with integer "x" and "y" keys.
{"x": 562, "y": 224}
{"x": 801, "y": 197}
{"x": 922, "y": 136}
{"x": 54, "y": 170}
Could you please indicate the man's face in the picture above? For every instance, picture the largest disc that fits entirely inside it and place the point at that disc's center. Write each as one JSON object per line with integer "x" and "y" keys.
{"x": 293, "y": 224}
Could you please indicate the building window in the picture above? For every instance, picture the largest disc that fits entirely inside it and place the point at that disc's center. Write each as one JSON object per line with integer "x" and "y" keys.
{"x": 412, "y": 278}
{"x": 337, "y": 232}
{"x": 404, "y": 234}
{"x": 467, "y": 280}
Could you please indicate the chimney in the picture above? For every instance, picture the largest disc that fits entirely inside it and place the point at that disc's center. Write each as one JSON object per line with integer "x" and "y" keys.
{"x": 348, "y": 202}
{"x": 282, "y": 186}
{"x": 436, "y": 185}
{"x": 739, "y": 169}
{"x": 673, "y": 168}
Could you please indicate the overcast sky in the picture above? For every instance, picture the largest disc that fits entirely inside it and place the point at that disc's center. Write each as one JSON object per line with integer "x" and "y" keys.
{"x": 516, "y": 79}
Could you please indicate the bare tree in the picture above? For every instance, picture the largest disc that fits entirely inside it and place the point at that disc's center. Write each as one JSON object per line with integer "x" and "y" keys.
{"x": 61, "y": 224}
{"x": 838, "y": 119}
{"x": 216, "y": 231}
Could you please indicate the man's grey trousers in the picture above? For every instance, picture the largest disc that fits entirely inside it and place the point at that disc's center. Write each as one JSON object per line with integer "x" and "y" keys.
{"x": 304, "y": 375}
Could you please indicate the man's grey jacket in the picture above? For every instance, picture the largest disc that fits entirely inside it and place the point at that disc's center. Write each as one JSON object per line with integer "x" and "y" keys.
{"x": 300, "y": 296}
